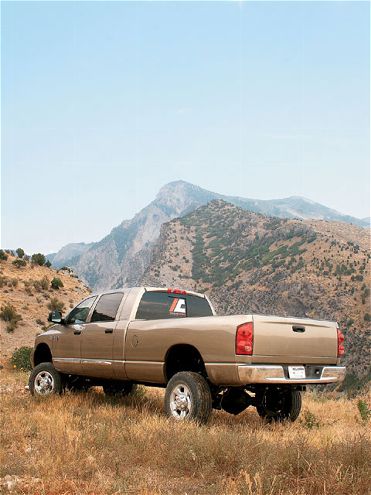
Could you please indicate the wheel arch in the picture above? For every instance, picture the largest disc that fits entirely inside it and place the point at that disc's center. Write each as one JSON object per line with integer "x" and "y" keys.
{"x": 42, "y": 354}
{"x": 183, "y": 357}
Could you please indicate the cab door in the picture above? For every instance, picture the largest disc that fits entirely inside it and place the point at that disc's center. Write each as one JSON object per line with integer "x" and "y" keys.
{"x": 67, "y": 343}
{"x": 98, "y": 336}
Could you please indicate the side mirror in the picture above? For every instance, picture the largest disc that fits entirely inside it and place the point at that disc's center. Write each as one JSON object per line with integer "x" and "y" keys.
{"x": 55, "y": 317}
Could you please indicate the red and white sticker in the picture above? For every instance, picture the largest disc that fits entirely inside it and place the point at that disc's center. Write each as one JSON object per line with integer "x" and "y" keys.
{"x": 178, "y": 306}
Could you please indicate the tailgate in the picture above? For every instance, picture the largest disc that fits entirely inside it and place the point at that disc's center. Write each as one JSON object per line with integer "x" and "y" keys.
{"x": 294, "y": 340}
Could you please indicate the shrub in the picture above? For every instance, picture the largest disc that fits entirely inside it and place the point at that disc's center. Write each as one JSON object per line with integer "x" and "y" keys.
{"x": 20, "y": 252}
{"x": 3, "y": 255}
{"x": 48, "y": 264}
{"x": 367, "y": 317}
{"x": 38, "y": 259}
{"x": 363, "y": 409}
{"x": 55, "y": 305}
{"x": 310, "y": 421}
{"x": 56, "y": 283}
{"x": 21, "y": 359}
{"x": 9, "y": 314}
{"x": 19, "y": 263}
{"x": 44, "y": 282}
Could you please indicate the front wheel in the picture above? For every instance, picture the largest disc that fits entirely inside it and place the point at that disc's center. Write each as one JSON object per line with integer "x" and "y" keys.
{"x": 188, "y": 397}
{"x": 277, "y": 404}
{"x": 45, "y": 380}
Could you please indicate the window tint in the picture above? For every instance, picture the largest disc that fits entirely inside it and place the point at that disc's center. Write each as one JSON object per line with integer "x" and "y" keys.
{"x": 107, "y": 306}
{"x": 80, "y": 313}
{"x": 161, "y": 305}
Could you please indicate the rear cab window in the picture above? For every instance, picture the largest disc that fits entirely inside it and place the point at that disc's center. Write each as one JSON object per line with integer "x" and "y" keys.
{"x": 159, "y": 305}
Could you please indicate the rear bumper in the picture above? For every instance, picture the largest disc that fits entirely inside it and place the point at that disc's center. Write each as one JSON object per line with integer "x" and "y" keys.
{"x": 272, "y": 374}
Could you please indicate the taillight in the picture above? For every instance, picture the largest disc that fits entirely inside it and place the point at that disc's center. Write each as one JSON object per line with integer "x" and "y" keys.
{"x": 341, "y": 350}
{"x": 244, "y": 339}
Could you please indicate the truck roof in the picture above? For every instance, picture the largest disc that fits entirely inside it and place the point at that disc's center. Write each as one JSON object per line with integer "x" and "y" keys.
{"x": 170, "y": 290}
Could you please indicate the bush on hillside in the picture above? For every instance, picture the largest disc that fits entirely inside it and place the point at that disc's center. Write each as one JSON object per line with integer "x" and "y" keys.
{"x": 9, "y": 314}
{"x": 21, "y": 359}
{"x": 55, "y": 305}
{"x": 56, "y": 283}
{"x": 20, "y": 252}
{"x": 42, "y": 284}
{"x": 38, "y": 259}
{"x": 3, "y": 255}
{"x": 19, "y": 263}
{"x": 48, "y": 264}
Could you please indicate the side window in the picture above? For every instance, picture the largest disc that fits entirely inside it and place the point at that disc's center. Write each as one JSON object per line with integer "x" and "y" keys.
{"x": 162, "y": 305}
{"x": 80, "y": 313}
{"x": 107, "y": 306}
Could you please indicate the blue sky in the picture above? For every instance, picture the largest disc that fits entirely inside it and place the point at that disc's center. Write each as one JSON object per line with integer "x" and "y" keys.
{"x": 103, "y": 103}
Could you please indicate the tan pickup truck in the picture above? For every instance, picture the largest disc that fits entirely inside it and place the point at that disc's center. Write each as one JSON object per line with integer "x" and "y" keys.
{"x": 172, "y": 338}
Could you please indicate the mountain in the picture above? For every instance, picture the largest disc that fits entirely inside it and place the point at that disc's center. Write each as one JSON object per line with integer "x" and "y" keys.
{"x": 250, "y": 263}
{"x": 121, "y": 258}
{"x": 27, "y": 288}
{"x": 69, "y": 254}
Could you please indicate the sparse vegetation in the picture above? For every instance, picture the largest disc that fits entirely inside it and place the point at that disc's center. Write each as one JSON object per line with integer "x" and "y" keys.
{"x": 38, "y": 259}
{"x": 9, "y": 314}
{"x": 19, "y": 263}
{"x": 364, "y": 410}
{"x": 309, "y": 420}
{"x": 21, "y": 359}
{"x": 56, "y": 283}
{"x": 3, "y": 255}
{"x": 20, "y": 252}
{"x": 55, "y": 305}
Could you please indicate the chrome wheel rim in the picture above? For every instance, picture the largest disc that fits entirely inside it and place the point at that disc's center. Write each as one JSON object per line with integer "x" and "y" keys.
{"x": 44, "y": 383}
{"x": 180, "y": 401}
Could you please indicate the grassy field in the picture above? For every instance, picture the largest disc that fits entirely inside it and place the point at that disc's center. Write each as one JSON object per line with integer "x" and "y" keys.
{"x": 88, "y": 444}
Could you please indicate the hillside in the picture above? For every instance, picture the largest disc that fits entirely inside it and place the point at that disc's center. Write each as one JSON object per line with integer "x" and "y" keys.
{"x": 121, "y": 258}
{"x": 28, "y": 290}
{"x": 247, "y": 262}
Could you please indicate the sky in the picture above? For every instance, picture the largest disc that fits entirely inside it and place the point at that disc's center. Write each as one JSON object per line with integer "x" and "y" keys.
{"x": 102, "y": 103}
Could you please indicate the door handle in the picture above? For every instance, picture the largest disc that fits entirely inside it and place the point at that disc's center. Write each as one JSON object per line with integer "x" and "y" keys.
{"x": 108, "y": 330}
{"x": 298, "y": 329}
{"x": 77, "y": 332}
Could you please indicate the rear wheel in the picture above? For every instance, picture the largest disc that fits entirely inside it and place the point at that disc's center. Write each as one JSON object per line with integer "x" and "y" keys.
{"x": 188, "y": 397}
{"x": 119, "y": 389}
{"x": 45, "y": 380}
{"x": 277, "y": 404}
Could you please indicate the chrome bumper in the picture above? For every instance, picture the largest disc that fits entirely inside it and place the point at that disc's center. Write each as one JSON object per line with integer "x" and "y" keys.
{"x": 275, "y": 374}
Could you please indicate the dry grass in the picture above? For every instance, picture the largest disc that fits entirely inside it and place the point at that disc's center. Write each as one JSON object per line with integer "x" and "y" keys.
{"x": 89, "y": 444}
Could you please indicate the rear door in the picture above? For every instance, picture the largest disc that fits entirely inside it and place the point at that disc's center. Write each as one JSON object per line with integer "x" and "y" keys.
{"x": 98, "y": 337}
{"x": 294, "y": 340}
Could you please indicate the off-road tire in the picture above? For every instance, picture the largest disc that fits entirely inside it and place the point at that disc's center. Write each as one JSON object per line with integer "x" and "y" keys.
{"x": 46, "y": 372}
{"x": 279, "y": 405}
{"x": 119, "y": 389}
{"x": 198, "y": 393}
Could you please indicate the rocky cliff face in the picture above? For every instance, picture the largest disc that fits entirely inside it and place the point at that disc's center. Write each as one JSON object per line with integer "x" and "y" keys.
{"x": 121, "y": 258}
{"x": 250, "y": 263}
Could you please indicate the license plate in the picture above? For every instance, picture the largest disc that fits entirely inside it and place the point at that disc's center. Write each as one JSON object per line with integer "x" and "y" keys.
{"x": 296, "y": 372}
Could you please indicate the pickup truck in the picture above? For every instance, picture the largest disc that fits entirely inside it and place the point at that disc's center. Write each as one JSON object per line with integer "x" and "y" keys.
{"x": 172, "y": 338}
